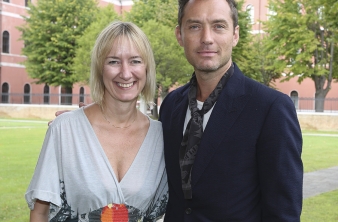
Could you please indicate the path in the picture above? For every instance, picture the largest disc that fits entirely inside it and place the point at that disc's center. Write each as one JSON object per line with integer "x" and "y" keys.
{"x": 320, "y": 181}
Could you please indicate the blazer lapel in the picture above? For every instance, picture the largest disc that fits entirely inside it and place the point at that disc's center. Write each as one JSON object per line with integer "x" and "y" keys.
{"x": 225, "y": 112}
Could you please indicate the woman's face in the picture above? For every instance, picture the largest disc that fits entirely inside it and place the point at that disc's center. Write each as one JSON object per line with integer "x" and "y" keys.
{"x": 124, "y": 72}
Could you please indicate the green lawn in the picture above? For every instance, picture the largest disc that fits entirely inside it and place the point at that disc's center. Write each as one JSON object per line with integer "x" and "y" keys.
{"x": 20, "y": 144}
{"x": 321, "y": 208}
{"x": 319, "y": 152}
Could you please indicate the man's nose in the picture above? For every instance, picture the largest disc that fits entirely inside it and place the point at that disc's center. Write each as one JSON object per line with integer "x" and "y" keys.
{"x": 206, "y": 37}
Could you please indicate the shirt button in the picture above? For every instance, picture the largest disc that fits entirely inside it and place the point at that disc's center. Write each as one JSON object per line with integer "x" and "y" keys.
{"x": 188, "y": 211}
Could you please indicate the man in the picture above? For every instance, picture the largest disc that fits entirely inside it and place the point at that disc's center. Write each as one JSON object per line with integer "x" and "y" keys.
{"x": 239, "y": 157}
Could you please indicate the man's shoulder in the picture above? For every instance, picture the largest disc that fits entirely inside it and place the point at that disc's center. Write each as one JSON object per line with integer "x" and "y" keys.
{"x": 177, "y": 93}
{"x": 180, "y": 90}
{"x": 254, "y": 87}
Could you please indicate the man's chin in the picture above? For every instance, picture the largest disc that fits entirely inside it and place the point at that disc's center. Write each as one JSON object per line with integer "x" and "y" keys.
{"x": 207, "y": 68}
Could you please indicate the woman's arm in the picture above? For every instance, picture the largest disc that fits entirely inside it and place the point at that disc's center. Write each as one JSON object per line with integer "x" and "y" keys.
{"x": 40, "y": 211}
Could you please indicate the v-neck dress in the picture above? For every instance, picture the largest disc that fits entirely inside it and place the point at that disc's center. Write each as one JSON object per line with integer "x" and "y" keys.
{"x": 73, "y": 173}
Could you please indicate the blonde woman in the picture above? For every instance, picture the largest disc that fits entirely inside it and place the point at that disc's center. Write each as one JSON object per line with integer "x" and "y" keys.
{"x": 104, "y": 162}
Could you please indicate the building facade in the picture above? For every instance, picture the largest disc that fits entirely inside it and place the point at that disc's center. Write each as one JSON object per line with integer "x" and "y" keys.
{"x": 303, "y": 94}
{"x": 17, "y": 87}
{"x": 15, "y": 84}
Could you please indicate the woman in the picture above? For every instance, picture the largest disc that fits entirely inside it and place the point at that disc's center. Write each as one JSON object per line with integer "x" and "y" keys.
{"x": 104, "y": 162}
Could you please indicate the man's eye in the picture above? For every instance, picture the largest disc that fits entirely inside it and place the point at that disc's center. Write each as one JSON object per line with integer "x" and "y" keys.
{"x": 193, "y": 27}
{"x": 219, "y": 26}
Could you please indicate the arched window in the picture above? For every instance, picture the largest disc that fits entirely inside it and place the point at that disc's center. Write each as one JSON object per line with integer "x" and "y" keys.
{"x": 5, "y": 93}
{"x": 5, "y": 42}
{"x": 66, "y": 95}
{"x": 251, "y": 10}
{"x": 46, "y": 94}
{"x": 27, "y": 94}
{"x": 81, "y": 95}
{"x": 26, "y": 2}
{"x": 294, "y": 98}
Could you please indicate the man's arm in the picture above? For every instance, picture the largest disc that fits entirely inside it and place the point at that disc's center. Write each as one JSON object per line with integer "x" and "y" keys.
{"x": 57, "y": 113}
{"x": 279, "y": 163}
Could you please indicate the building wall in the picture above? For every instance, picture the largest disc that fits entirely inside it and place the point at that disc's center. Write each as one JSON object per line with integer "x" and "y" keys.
{"x": 14, "y": 73}
{"x": 307, "y": 121}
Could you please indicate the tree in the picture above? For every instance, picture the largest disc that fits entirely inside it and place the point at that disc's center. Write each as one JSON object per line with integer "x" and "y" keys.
{"x": 50, "y": 35}
{"x": 158, "y": 19}
{"x": 171, "y": 68}
{"x": 162, "y": 11}
{"x": 242, "y": 54}
{"x": 171, "y": 65}
{"x": 86, "y": 42}
{"x": 302, "y": 38}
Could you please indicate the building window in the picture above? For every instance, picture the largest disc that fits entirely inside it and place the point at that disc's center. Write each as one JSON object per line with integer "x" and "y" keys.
{"x": 26, "y": 2}
{"x": 5, "y": 93}
{"x": 5, "y": 42}
{"x": 66, "y": 95}
{"x": 46, "y": 94}
{"x": 294, "y": 98}
{"x": 5, "y": 0}
{"x": 27, "y": 94}
{"x": 251, "y": 10}
{"x": 81, "y": 95}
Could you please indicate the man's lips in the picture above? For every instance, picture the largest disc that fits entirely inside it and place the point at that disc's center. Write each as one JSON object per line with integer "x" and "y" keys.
{"x": 206, "y": 52}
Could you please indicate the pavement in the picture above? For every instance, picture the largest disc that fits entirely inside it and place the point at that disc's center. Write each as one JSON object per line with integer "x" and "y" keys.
{"x": 320, "y": 181}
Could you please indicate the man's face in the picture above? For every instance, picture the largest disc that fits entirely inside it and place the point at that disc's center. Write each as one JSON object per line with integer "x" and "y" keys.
{"x": 207, "y": 35}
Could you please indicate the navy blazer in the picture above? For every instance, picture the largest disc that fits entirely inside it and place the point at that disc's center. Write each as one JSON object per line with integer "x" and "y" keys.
{"x": 248, "y": 165}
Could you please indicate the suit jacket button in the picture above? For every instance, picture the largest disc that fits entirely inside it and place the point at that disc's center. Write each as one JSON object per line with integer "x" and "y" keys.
{"x": 188, "y": 210}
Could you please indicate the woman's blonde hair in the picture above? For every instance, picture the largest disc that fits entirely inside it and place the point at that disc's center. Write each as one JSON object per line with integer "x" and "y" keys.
{"x": 104, "y": 44}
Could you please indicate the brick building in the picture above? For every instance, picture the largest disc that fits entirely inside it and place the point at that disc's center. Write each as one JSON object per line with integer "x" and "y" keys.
{"x": 17, "y": 87}
{"x": 15, "y": 84}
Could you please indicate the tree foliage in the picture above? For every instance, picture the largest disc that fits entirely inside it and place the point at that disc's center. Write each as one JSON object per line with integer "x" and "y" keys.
{"x": 50, "y": 34}
{"x": 242, "y": 54}
{"x": 161, "y": 11}
{"x": 86, "y": 42}
{"x": 158, "y": 19}
{"x": 171, "y": 66}
{"x": 302, "y": 40}
{"x": 260, "y": 64}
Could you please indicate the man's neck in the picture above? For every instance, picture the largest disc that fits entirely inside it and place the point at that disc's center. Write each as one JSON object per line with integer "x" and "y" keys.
{"x": 207, "y": 82}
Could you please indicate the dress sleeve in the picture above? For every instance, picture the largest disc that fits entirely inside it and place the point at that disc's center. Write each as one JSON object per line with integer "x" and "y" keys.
{"x": 46, "y": 182}
{"x": 158, "y": 205}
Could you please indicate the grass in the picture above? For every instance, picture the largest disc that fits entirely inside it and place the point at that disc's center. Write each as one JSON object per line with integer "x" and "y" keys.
{"x": 319, "y": 152}
{"x": 20, "y": 144}
{"x": 321, "y": 208}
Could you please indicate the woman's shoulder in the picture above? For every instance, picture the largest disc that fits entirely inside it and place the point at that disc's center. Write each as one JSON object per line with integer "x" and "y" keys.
{"x": 155, "y": 125}
{"x": 155, "y": 122}
{"x": 67, "y": 117}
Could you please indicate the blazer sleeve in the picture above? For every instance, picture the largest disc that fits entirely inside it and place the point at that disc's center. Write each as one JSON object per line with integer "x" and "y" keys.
{"x": 280, "y": 167}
